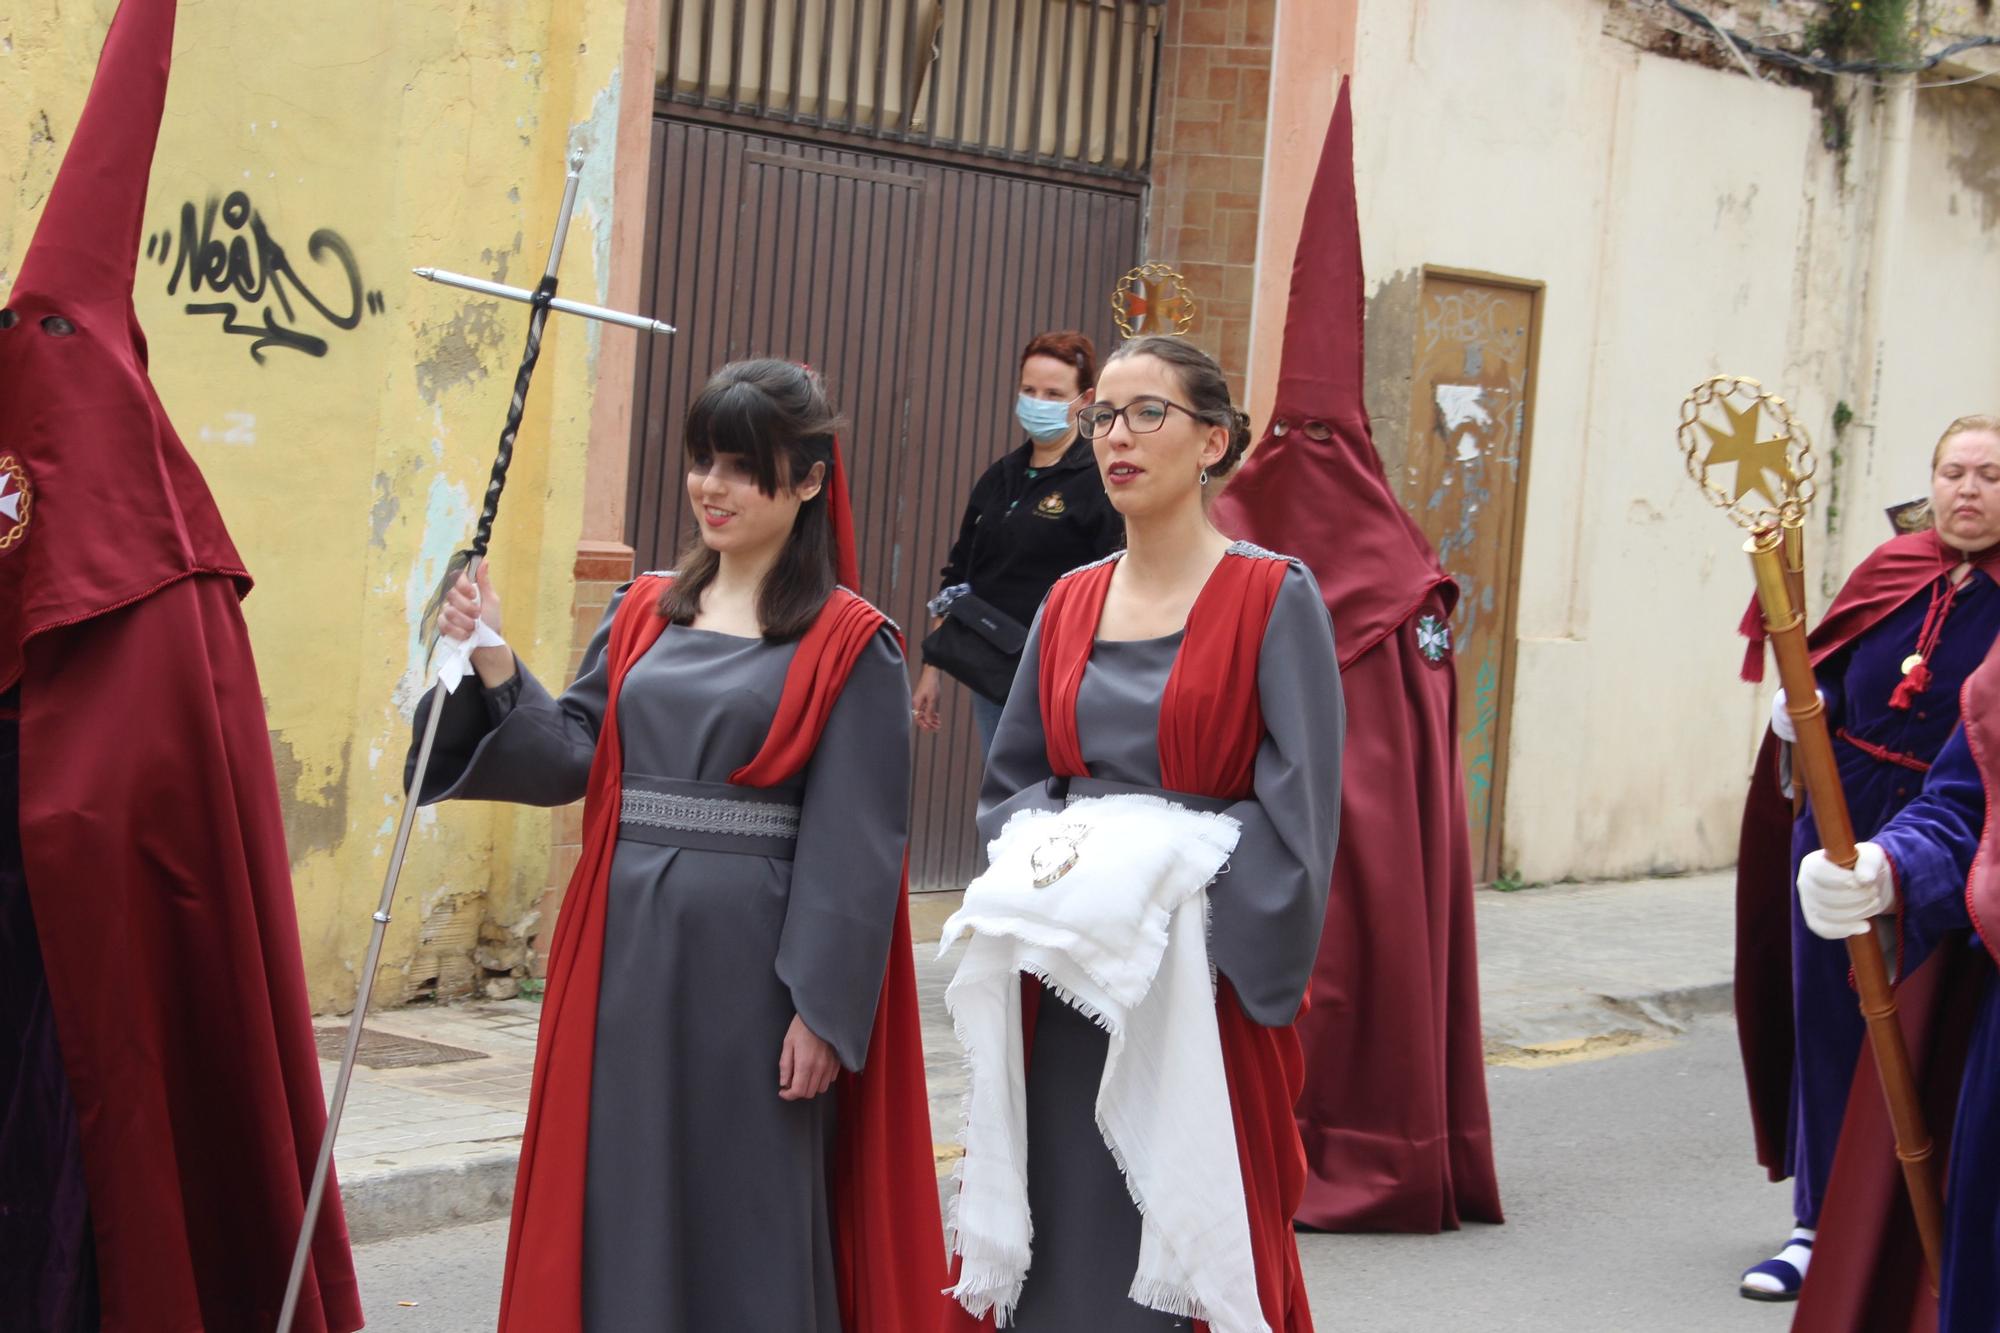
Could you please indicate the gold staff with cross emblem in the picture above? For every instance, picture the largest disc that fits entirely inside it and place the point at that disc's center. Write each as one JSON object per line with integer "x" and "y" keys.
{"x": 1733, "y": 420}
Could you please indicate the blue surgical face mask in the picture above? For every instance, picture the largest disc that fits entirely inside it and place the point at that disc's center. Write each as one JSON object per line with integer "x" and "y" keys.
{"x": 1042, "y": 418}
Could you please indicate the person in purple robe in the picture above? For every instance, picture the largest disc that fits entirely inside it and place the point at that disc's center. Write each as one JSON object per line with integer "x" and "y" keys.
{"x": 1934, "y": 868}
{"x": 1931, "y": 609}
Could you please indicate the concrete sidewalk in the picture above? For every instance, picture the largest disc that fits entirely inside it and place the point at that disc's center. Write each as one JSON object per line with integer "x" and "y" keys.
{"x": 431, "y": 1136}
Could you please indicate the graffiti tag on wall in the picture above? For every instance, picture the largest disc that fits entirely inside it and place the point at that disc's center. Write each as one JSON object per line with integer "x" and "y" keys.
{"x": 225, "y": 251}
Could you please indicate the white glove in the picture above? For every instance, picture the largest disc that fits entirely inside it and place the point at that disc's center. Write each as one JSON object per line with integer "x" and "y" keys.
{"x": 1838, "y": 903}
{"x": 1781, "y": 720}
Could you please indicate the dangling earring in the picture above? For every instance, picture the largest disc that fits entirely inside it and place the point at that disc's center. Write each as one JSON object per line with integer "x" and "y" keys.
{"x": 1204, "y": 476}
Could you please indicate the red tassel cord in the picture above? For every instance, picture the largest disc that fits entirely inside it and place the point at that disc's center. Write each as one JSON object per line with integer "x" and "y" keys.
{"x": 1917, "y": 667}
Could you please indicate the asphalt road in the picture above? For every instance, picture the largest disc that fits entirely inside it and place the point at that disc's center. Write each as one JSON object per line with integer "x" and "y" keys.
{"x": 1632, "y": 1205}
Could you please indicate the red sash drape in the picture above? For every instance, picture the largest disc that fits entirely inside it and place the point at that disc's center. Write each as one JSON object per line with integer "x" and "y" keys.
{"x": 1211, "y": 726}
{"x": 888, "y": 1243}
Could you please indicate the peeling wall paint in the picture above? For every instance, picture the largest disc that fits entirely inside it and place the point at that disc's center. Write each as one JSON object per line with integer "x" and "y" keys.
{"x": 303, "y": 169}
{"x": 1547, "y": 140}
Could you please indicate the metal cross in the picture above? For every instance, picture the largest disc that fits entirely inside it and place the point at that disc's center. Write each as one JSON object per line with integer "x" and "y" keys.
{"x": 541, "y": 301}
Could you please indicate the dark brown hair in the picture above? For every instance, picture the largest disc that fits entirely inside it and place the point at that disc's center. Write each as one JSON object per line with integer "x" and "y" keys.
{"x": 1203, "y": 384}
{"x": 1073, "y": 349}
{"x": 775, "y": 416}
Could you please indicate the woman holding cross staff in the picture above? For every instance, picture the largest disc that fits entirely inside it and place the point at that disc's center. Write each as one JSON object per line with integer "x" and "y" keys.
{"x": 728, "y": 1126}
{"x": 1911, "y": 623}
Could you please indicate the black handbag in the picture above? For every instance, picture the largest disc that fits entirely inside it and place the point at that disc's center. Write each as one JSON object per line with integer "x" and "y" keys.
{"x": 978, "y": 645}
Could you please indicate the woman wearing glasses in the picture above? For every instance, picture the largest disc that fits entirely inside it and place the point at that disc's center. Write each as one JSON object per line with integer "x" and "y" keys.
{"x": 1032, "y": 515}
{"x": 1202, "y": 671}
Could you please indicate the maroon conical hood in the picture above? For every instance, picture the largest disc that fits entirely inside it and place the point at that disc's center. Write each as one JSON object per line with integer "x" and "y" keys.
{"x": 87, "y": 245}
{"x": 1328, "y": 502}
{"x": 99, "y": 502}
{"x": 1319, "y": 369}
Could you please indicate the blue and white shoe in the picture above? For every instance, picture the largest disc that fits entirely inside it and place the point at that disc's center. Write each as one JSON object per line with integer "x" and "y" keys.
{"x": 1780, "y": 1277}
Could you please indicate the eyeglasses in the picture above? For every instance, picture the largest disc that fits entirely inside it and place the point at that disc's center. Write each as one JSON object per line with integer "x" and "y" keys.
{"x": 1312, "y": 430}
{"x": 1142, "y": 416}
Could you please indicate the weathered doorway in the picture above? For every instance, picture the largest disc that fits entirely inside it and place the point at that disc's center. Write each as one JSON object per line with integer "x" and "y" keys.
{"x": 912, "y": 285}
{"x": 1470, "y": 419}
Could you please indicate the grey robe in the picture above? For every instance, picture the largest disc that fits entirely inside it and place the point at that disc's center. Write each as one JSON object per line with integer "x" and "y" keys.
{"x": 706, "y": 1203}
{"x": 1265, "y": 914}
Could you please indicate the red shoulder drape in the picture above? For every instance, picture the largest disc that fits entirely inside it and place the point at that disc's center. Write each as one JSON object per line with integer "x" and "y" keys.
{"x": 888, "y": 1243}
{"x": 1211, "y": 726}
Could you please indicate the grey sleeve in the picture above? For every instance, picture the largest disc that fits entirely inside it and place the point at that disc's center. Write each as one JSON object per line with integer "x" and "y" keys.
{"x": 854, "y": 825}
{"x": 1267, "y": 911}
{"x": 1017, "y": 767}
{"x": 517, "y": 743}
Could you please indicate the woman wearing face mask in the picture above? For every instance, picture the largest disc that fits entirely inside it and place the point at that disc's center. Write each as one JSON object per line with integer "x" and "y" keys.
{"x": 1199, "y": 673}
{"x": 702, "y": 1150}
{"x": 1912, "y": 622}
{"x": 1034, "y": 515}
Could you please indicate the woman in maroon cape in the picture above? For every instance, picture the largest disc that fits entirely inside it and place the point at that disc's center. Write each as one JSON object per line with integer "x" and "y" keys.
{"x": 728, "y": 1127}
{"x": 1394, "y": 1111}
{"x": 160, "y": 1102}
{"x": 1911, "y": 623}
{"x": 1202, "y": 670}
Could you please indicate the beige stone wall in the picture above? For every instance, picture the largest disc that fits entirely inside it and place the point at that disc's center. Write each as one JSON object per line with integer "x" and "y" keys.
{"x": 1687, "y": 220}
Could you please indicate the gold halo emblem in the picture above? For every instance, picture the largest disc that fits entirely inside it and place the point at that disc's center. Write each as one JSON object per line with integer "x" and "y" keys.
{"x": 1152, "y": 298}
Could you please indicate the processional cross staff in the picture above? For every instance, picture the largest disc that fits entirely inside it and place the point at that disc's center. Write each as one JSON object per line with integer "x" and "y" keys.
{"x": 1778, "y": 469}
{"x": 541, "y": 300}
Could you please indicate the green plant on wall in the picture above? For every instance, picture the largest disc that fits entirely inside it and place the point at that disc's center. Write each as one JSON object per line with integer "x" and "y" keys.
{"x": 1884, "y": 30}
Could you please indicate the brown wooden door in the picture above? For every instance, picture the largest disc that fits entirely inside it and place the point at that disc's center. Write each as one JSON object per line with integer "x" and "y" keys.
{"x": 1470, "y": 417}
{"x": 912, "y": 285}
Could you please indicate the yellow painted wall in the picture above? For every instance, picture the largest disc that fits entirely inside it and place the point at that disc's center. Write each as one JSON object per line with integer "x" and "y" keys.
{"x": 414, "y": 132}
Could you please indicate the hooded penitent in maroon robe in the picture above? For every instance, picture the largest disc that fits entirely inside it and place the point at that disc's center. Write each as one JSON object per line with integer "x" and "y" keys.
{"x": 1394, "y": 1110}
{"x": 160, "y": 1103}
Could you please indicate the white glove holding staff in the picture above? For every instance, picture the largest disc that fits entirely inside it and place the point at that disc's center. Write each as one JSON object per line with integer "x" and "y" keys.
{"x": 1782, "y": 725}
{"x": 1838, "y": 903}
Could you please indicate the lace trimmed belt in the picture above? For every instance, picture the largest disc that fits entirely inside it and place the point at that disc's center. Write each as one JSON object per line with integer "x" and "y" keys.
{"x": 710, "y": 816}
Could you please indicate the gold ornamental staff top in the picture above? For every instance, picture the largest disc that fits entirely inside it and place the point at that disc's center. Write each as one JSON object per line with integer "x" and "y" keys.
{"x": 1153, "y": 298}
{"x": 1732, "y": 419}
{"x": 1723, "y": 423}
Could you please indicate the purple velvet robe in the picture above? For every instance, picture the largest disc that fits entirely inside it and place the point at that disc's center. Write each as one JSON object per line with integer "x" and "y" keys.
{"x": 1858, "y": 684}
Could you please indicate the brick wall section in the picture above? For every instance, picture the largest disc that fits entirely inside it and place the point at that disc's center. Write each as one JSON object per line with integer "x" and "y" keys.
{"x": 600, "y": 568}
{"x": 1208, "y": 164}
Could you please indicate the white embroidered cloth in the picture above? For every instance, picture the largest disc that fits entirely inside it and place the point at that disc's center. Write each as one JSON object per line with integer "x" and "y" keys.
{"x": 1122, "y": 937}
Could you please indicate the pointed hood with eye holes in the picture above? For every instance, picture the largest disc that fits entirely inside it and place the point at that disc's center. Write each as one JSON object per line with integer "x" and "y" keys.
{"x": 1328, "y": 502}
{"x": 100, "y": 503}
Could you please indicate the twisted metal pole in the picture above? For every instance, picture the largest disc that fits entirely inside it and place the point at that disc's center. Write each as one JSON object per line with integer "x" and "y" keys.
{"x": 466, "y": 562}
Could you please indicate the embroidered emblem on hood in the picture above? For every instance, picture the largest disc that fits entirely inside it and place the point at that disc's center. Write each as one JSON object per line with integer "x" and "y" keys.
{"x": 1051, "y": 505}
{"x": 17, "y": 502}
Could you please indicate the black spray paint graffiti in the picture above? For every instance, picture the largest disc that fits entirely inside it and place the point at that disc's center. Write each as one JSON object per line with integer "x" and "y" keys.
{"x": 244, "y": 263}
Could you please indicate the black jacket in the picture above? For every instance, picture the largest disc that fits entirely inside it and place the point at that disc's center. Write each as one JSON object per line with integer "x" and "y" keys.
{"x": 1021, "y": 533}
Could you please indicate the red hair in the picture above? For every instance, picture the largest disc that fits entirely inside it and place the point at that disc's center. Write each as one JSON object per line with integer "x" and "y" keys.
{"x": 1070, "y": 347}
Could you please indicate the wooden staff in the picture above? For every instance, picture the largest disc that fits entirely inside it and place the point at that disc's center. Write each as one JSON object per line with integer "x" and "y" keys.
{"x": 1794, "y": 530}
{"x": 1813, "y": 757}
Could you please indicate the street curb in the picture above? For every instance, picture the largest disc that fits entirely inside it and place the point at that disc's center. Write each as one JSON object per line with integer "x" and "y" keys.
{"x": 1655, "y": 1014}
{"x": 385, "y": 1202}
